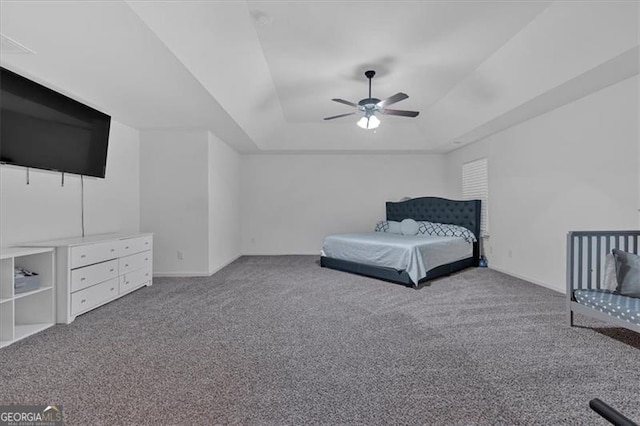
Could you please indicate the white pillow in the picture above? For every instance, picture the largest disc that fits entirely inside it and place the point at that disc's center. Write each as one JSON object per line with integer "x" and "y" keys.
{"x": 394, "y": 227}
{"x": 409, "y": 227}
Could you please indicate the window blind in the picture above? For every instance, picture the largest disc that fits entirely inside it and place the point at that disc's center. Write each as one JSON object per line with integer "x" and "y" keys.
{"x": 475, "y": 186}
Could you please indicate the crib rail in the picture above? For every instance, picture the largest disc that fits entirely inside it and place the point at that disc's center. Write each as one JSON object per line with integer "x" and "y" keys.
{"x": 586, "y": 251}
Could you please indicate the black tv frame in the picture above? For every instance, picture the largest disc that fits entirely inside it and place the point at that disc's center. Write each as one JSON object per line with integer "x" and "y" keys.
{"x": 53, "y": 127}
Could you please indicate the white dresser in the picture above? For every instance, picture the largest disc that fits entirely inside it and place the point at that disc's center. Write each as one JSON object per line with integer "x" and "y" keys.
{"x": 97, "y": 269}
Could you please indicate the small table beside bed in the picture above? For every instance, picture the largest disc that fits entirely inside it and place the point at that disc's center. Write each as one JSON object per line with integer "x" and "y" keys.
{"x": 409, "y": 257}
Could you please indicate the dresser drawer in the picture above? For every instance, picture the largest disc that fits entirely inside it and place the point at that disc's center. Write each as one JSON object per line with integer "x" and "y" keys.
{"x": 93, "y": 253}
{"x": 93, "y": 296}
{"x": 134, "y": 279}
{"x": 135, "y": 261}
{"x": 135, "y": 245}
{"x": 93, "y": 274}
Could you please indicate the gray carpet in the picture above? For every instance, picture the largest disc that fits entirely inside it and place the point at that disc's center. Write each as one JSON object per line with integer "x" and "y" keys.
{"x": 279, "y": 340}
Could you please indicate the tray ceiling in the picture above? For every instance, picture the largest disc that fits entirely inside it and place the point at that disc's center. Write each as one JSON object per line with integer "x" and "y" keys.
{"x": 261, "y": 74}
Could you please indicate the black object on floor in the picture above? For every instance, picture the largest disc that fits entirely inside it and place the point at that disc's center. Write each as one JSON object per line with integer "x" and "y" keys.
{"x": 610, "y": 414}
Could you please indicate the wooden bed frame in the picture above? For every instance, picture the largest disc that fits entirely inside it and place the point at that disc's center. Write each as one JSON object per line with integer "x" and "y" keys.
{"x": 432, "y": 209}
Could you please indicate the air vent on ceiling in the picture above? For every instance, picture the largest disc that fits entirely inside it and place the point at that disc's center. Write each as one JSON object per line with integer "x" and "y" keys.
{"x": 8, "y": 45}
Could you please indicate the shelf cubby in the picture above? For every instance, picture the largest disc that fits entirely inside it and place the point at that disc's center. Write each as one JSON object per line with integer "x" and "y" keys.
{"x": 6, "y": 279}
{"x": 27, "y": 313}
{"x": 6, "y": 323}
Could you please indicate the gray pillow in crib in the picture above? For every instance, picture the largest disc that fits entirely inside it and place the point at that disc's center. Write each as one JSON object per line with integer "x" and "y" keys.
{"x": 627, "y": 273}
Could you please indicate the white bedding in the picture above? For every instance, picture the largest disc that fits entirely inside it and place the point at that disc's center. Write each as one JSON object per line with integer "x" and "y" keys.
{"x": 416, "y": 254}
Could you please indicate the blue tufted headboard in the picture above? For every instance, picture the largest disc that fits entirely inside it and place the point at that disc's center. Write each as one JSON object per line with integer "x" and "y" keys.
{"x": 441, "y": 210}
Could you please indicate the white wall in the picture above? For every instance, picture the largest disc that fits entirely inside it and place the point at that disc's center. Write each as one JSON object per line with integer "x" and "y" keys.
{"x": 574, "y": 168}
{"x": 44, "y": 210}
{"x": 224, "y": 204}
{"x": 564, "y": 42}
{"x": 290, "y": 203}
{"x": 174, "y": 199}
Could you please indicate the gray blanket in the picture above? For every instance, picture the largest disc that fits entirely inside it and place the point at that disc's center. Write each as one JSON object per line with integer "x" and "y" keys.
{"x": 416, "y": 254}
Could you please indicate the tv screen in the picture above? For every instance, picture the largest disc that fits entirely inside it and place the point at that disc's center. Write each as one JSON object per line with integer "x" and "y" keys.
{"x": 44, "y": 129}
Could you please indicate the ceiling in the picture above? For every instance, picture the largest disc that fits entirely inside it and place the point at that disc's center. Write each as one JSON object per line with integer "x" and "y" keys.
{"x": 260, "y": 74}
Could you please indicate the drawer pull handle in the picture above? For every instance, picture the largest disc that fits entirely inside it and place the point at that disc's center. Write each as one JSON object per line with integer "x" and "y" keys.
{"x": 146, "y": 258}
{"x": 111, "y": 270}
{"x": 126, "y": 248}
{"x": 146, "y": 243}
{"x": 82, "y": 279}
{"x": 112, "y": 250}
{"x": 111, "y": 289}
{"x": 82, "y": 256}
{"x": 126, "y": 265}
{"x": 83, "y": 300}
{"x": 146, "y": 275}
{"x": 127, "y": 283}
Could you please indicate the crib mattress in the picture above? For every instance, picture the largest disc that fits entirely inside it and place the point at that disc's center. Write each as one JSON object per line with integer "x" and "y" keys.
{"x": 622, "y": 307}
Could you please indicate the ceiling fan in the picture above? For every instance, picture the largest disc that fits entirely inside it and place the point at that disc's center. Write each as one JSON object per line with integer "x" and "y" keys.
{"x": 369, "y": 106}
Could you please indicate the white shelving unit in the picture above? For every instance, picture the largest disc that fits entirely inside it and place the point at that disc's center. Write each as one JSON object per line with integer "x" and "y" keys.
{"x": 27, "y": 313}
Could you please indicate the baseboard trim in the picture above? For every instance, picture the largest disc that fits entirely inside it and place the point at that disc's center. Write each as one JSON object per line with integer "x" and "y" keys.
{"x": 195, "y": 274}
{"x": 529, "y": 279}
{"x": 180, "y": 274}
{"x": 315, "y": 253}
{"x": 229, "y": 262}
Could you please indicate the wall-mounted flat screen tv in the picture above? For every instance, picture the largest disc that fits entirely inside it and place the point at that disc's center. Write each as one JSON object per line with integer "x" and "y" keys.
{"x": 44, "y": 129}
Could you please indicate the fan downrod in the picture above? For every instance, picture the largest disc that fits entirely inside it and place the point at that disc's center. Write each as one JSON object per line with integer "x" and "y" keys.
{"x": 369, "y": 74}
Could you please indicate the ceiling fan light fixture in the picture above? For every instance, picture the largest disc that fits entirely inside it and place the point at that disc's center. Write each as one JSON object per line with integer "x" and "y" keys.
{"x": 369, "y": 106}
{"x": 369, "y": 123}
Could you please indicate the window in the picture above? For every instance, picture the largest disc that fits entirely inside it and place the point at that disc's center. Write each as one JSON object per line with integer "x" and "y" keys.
{"x": 475, "y": 186}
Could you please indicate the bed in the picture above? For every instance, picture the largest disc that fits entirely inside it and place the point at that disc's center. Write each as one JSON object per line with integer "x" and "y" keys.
{"x": 431, "y": 209}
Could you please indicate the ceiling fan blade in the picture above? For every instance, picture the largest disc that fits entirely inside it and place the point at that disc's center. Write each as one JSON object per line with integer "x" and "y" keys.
{"x": 400, "y": 112}
{"x": 338, "y": 116}
{"x": 342, "y": 101}
{"x": 393, "y": 99}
